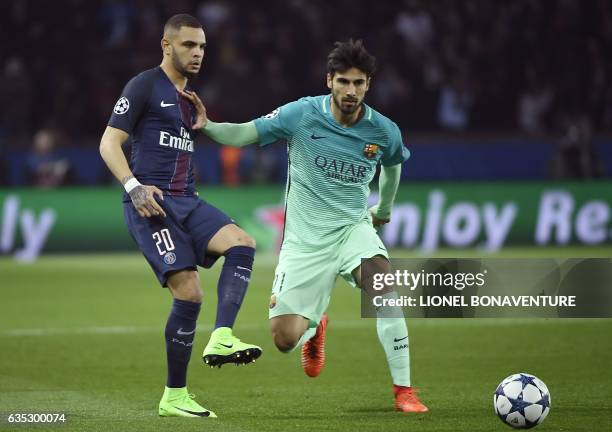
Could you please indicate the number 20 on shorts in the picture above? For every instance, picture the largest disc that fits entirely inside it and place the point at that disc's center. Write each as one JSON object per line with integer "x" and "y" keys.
{"x": 163, "y": 236}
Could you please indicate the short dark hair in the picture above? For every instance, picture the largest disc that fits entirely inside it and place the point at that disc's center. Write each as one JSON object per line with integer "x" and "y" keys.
{"x": 350, "y": 54}
{"x": 175, "y": 22}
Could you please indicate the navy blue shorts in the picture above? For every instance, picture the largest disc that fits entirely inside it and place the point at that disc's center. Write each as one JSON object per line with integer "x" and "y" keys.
{"x": 178, "y": 241}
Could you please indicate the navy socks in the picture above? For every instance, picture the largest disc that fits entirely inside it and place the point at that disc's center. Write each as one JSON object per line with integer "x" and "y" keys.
{"x": 233, "y": 283}
{"x": 180, "y": 330}
{"x": 181, "y": 325}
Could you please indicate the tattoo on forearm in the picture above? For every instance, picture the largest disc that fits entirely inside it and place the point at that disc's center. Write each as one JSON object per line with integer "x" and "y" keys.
{"x": 126, "y": 178}
{"x": 138, "y": 196}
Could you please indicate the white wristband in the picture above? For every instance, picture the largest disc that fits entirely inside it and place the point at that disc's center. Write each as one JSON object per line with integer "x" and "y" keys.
{"x": 131, "y": 184}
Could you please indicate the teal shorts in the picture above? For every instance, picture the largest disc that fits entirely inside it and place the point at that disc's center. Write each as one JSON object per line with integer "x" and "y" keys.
{"x": 303, "y": 281}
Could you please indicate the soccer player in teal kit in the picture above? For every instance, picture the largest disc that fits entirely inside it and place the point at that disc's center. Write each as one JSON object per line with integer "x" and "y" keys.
{"x": 335, "y": 142}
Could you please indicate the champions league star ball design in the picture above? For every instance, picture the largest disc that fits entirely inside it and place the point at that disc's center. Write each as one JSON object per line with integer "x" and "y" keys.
{"x": 122, "y": 106}
{"x": 522, "y": 401}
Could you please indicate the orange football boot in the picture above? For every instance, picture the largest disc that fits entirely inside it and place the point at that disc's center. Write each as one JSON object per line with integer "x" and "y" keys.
{"x": 313, "y": 351}
{"x": 406, "y": 400}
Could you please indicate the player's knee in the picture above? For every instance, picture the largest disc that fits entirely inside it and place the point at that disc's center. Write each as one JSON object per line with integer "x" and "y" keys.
{"x": 283, "y": 343}
{"x": 241, "y": 238}
{"x": 246, "y": 240}
{"x": 186, "y": 286}
{"x": 194, "y": 295}
{"x": 372, "y": 266}
{"x": 191, "y": 294}
{"x": 251, "y": 242}
{"x": 284, "y": 340}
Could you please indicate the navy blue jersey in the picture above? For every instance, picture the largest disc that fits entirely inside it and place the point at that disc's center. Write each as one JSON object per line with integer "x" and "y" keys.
{"x": 158, "y": 120}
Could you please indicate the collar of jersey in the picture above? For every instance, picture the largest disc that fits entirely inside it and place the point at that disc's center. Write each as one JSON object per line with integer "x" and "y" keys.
{"x": 167, "y": 78}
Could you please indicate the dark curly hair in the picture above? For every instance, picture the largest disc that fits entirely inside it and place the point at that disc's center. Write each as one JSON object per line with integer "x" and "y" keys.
{"x": 350, "y": 54}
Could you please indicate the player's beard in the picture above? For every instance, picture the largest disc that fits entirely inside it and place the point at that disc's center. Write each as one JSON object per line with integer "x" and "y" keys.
{"x": 180, "y": 68}
{"x": 346, "y": 111}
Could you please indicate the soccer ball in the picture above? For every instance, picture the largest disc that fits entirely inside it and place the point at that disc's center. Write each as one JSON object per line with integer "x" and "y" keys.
{"x": 522, "y": 401}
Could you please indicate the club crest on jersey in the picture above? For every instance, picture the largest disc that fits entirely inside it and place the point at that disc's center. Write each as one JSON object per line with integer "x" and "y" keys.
{"x": 122, "y": 106}
{"x": 370, "y": 150}
{"x": 272, "y": 303}
{"x": 170, "y": 258}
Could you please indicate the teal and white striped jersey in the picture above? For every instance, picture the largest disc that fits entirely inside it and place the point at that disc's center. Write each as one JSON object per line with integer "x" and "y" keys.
{"x": 330, "y": 167}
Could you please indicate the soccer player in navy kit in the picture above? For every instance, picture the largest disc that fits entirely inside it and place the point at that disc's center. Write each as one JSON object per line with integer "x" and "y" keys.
{"x": 174, "y": 229}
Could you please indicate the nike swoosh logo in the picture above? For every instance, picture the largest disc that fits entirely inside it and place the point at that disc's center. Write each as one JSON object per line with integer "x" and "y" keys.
{"x": 181, "y": 332}
{"x": 314, "y": 137}
{"x": 198, "y": 413}
{"x": 164, "y": 105}
{"x": 226, "y": 346}
{"x": 397, "y": 340}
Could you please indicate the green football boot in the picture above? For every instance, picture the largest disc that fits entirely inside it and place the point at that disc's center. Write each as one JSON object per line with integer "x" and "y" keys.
{"x": 177, "y": 402}
{"x": 223, "y": 347}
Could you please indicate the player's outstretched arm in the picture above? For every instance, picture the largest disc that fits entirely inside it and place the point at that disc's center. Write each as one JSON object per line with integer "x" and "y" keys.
{"x": 231, "y": 134}
{"x": 388, "y": 182}
{"x": 142, "y": 196}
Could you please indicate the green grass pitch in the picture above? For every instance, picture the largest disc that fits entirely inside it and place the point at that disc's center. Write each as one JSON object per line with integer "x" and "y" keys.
{"x": 83, "y": 335}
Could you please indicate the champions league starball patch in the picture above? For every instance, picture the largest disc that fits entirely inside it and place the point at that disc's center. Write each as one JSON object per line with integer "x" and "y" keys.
{"x": 122, "y": 106}
{"x": 370, "y": 150}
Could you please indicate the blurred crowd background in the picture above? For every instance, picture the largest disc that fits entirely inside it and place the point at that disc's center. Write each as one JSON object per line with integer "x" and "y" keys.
{"x": 524, "y": 82}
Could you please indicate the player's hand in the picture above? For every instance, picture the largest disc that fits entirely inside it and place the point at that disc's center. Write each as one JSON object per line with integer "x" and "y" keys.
{"x": 377, "y": 222}
{"x": 143, "y": 198}
{"x": 201, "y": 118}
